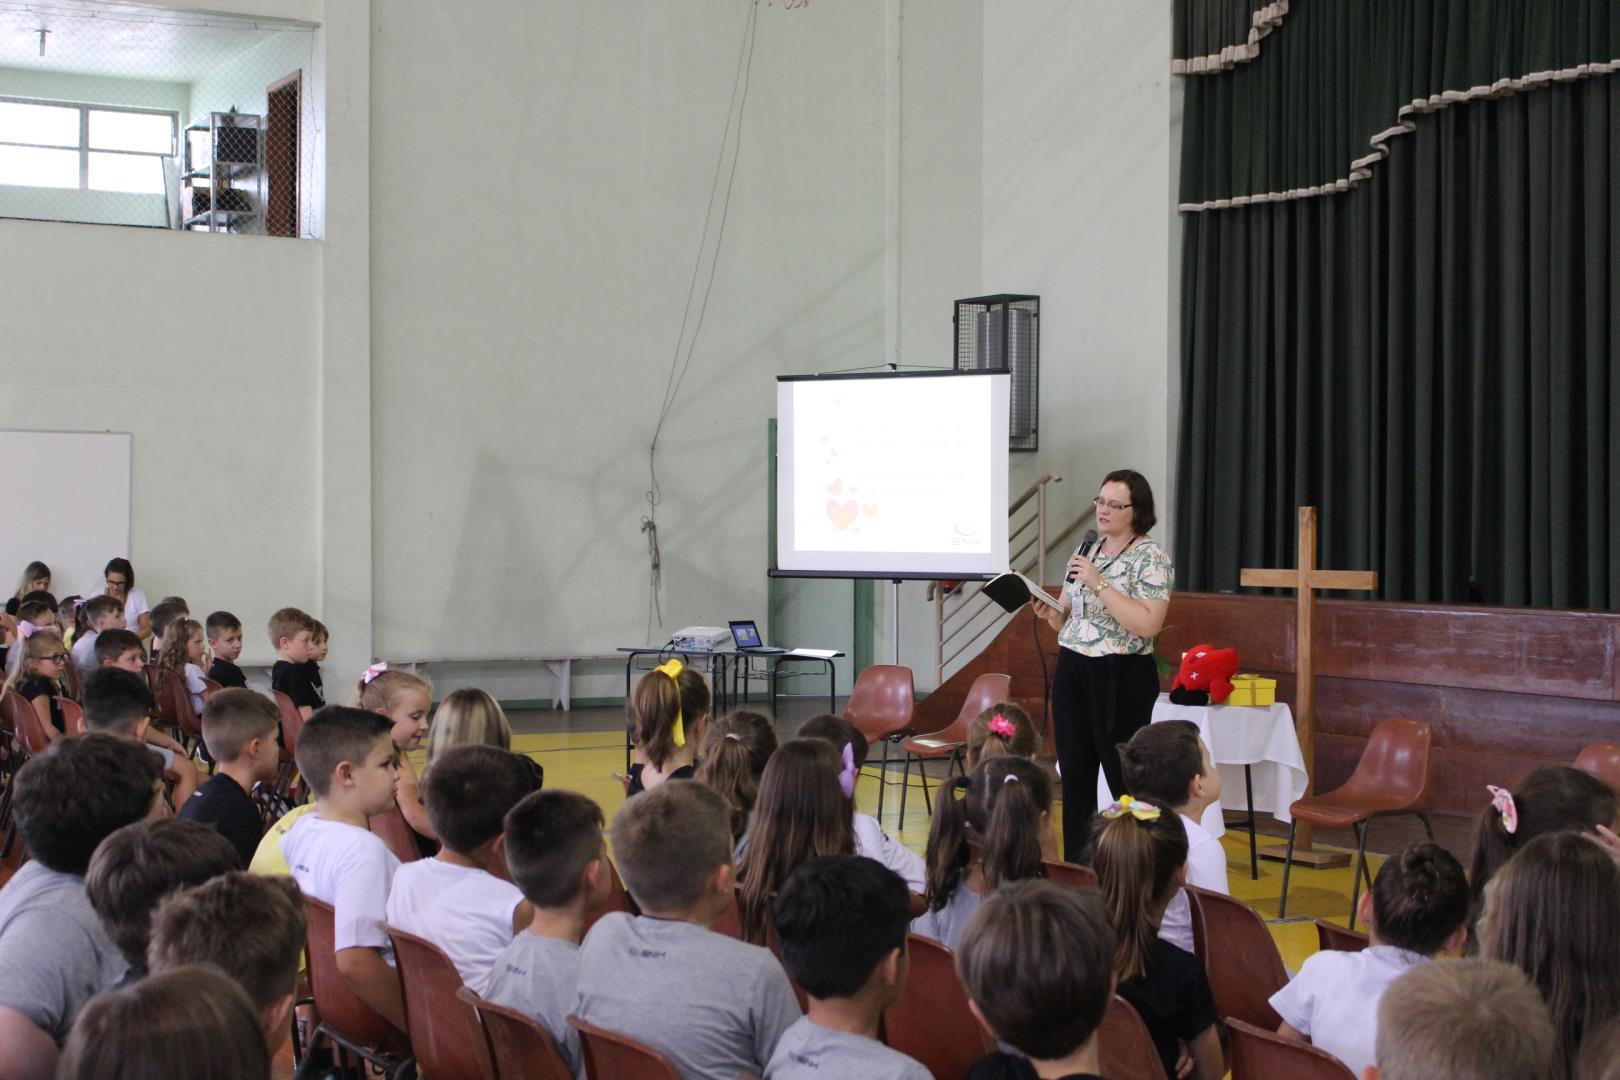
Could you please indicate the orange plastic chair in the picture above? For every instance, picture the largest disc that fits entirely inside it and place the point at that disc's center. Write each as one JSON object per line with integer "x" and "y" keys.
{"x": 72, "y": 716}
{"x": 1240, "y": 958}
{"x": 292, "y": 722}
{"x": 397, "y": 833}
{"x": 1125, "y": 1050}
{"x": 174, "y": 708}
{"x": 70, "y": 680}
{"x": 1601, "y": 760}
{"x": 881, "y": 705}
{"x": 930, "y": 1020}
{"x": 618, "y": 899}
{"x": 21, "y": 718}
{"x": 1392, "y": 777}
{"x": 1331, "y": 937}
{"x": 1258, "y": 1054}
{"x": 1068, "y": 873}
{"x": 519, "y": 1047}
{"x": 950, "y": 742}
{"x": 611, "y": 1056}
{"x": 351, "y": 1024}
{"x": 446, "y": 1035}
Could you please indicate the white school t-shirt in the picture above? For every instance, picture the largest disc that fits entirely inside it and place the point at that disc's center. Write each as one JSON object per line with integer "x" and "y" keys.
{"x": 84, "y": 652}
{"x": 351, "y": 869}
{"x": 463, "y": 910}
{"x": 872, "y": 842}
{"x": 1206, "y": 868}
{"x": 135, "y": 606}
{"x": 1333, "y": 1001}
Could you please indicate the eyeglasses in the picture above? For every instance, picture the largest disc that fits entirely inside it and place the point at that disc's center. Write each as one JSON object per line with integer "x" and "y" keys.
{"x": 53, "y": 658}
{"x": 112, "y": 584}
{"x": 1101, "y": 502}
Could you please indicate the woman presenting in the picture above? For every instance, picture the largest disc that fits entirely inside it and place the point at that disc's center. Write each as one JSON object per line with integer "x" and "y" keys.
{"x": 1106, "y": 680}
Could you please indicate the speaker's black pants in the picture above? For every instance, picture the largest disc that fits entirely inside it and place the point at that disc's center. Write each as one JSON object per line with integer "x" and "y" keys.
{"x": 1097, "y": 703}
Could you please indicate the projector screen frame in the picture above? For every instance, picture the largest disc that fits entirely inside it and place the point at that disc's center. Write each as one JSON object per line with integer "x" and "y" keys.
{"x": 775, "y": 571}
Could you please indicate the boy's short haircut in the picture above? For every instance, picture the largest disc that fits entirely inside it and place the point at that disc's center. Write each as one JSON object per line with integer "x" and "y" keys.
{"x": 115, "y": 700}
{"x": 838, "y": 917}
{"x": 162, "y": 615}
{"x": 1420, "y": 898}
{"x": 179, "y": 602}
{"x": 102, "y": 605}
{"x": 68, "y": 799}
{"x": 140, "y": 864}
{"x": 220, "y": 622}
{"x": 318, "y": 631}
{"x": 468, "y": 792}
{"x": 1038, "y": 959}
{"x": 1161, "y": 761}
{"x": 668, "y": 842}
{"x": 550, "y": 837}
{"x": 40, "y": 596}
{"x": 111, "y": 644}
{"x": 831, "y": 728}
{"x": 234, "y": 717}
{"x": 249, "y": 926}
{"x": 1471, "y": 1018}
{"x": 334, "y": 734}
{"x": 289, "y": 622}
{"x": 35, "y": 611}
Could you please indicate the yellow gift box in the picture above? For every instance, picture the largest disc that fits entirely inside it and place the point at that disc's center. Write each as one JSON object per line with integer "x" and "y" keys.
{"x": 1252, "y": 690}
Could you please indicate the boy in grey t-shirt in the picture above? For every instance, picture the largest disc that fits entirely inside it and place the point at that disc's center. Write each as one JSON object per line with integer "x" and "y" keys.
{"x": 555, "y": 854}
{"x": 714, "y": 1006}
{"x": 842, "y": 922}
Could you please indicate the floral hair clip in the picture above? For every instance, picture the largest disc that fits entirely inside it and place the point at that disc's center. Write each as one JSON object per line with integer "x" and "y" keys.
{"x": 1000, "y": 725}
{"x": 673, "y": 668}
{"x": 25, "y": 629}
{"x": 1502, "y": 802}
{"x": 373, "y": 671}
{"x": 846, "y": 775}
{"x": 1138, "y": 809}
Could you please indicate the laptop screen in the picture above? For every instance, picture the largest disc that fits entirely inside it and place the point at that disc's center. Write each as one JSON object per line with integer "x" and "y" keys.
{"x": 745, "y": 634}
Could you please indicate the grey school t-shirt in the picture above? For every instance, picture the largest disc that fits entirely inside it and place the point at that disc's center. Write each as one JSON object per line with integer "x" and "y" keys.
{"x": 809, "y": 1051}
{"x": 54, "y": 955}
{"x": 713, "y": 1005}
{"x": 539, "y": 977}
{"x": 946, "y": 925}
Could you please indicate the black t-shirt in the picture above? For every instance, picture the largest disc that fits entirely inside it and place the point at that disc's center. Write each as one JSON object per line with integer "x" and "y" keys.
{"x": 294, "y": 681}
{"x": 227, "y": 674}
{"x": 12, "y": 605}
{"x": 1173, "y": 999}
{"x": 685, "y": 772}
{"x": 222, "y": 803}
{"x": 1000, "y": 1066}
{"x": 35, "y": 685}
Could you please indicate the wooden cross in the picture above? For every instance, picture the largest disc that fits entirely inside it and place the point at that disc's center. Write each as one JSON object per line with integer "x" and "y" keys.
{"x": 1307, "y": 579}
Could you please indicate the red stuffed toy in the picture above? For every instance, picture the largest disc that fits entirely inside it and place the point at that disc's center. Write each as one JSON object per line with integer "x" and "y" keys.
{"x": 1205, "y": 676}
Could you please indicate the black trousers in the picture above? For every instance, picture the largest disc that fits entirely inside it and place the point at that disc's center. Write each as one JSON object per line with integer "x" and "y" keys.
{"x": 1098, "y": 702}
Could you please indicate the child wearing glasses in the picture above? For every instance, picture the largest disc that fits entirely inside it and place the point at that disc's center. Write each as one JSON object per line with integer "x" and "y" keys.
{"x": 34, "y": 670}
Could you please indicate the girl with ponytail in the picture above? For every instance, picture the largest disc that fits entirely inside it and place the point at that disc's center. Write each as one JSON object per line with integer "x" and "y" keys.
{"x": 736, "y": 748}
{"x": 990, "y": 827}
{"x": 666, "y": 714}
{"x": 404, "y": 697}
{"x": 1141, "y": 863}
{"x": 1001, "y": 730}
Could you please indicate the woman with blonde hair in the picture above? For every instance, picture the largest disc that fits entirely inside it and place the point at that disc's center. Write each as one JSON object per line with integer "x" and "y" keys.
{"x": 472, "y": 717}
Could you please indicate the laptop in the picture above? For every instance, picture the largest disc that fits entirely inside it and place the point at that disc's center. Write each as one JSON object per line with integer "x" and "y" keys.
{"x": 746, "y": 634}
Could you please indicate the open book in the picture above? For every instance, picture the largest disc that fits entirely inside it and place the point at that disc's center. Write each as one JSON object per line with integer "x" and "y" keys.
{"x": 1013, "y": 590}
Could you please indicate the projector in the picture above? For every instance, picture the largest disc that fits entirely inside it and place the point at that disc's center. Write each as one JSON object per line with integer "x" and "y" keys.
{"x": 702, "y": 638}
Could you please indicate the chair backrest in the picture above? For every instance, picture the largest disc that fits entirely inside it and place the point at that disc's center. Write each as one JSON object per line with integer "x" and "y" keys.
{"x": 1200, "y": 929}
{"x": 70, "y": 680}
{"x": 446, "y": 1035}
{"x": 174, "y": 704}
{"x": 72, "y": 716}
{"x": 730, "y": 921}
{"x": 987, "y": 690}
{"x": 518, "y": 1046}
{"x": 339, "y": 1007}
{"x": 392, "y": 828}
{"x": 881, "y": 701}
{"x": 1258, "y": 1054}
{"x": 152, "y": 676}
{"x": 21, "y": 718}
{"x": 1601, "y": 760}
{"x": 611, "y": 1056}
{"x": 1068, "y": 873}
{"x": 1124, "y": 1047}
{"x": 930, "y": 1021}
{"x": 292, "y": 722}
{"x": 1394, "y": 767}
{"x": 1240, "y": 959}
{"x": 1331, "y": 937}
{"x": 618, "y": 899}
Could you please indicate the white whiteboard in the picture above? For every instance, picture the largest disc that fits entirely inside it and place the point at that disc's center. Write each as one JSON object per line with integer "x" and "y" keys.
{"x": 895, "y": 475}
{"x": 76, "y": 505}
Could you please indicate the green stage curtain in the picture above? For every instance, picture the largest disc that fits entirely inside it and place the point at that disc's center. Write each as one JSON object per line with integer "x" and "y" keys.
{"x": 1432, "y": 359}
{"x": 1214, "y": 35}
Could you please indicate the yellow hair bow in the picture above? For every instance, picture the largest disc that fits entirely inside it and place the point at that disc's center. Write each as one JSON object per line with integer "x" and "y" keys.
{"x": 673, "y": 668}
{"x": 1138, "y": 809}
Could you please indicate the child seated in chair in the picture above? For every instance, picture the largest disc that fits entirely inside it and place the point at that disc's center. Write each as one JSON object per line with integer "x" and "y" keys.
{"x": 117, "y": 702}
{"x": 871, "y": 840}
{"x": 121, "y": 649}
{"x": 1463, "y": 1019}
{"x": 239, "y": 728}
{"x": 101, "y": 613}
{"x": 714, "y": 1006}
{"x": 225, "y": 643}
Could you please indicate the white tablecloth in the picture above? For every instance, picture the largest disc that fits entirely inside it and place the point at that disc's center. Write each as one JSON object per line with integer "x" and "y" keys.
{"x": 1261, "y": 737}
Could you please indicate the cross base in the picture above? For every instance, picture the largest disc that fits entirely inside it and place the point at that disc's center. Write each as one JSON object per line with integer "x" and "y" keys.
{"x": 1316, "y": 858}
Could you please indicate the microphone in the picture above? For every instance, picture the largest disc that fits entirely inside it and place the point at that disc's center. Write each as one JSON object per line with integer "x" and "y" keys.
{"x": 1088, "y": 540}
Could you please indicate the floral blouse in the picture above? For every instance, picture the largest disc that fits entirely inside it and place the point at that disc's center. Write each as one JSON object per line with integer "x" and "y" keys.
{"x": 1141, "y": 572}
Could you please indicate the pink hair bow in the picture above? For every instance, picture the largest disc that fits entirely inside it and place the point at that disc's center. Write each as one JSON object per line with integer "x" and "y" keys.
{"x": 1000, "y": 725}
{"x": 373, "y": 671}
{"x": 1502, "y": 802}
{"x": 846, "y": 777}
{"x": 25, "y": 629}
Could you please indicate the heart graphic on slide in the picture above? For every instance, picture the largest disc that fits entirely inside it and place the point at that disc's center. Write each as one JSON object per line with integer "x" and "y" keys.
{"x": 869, "y": 510}
{"x": 842, "y": 513}
{"x": 836, "y": 487}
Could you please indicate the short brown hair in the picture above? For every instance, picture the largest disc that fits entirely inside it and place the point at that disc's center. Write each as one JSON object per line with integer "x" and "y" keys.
{"x": 289, "y": 622}
{"x": 140, "y": 864}
{"x": 1038, "y": 958}
{"x": 550, "y": 837}
{"x": 234, "y": 717}
{"x": 668, "y": 841}
{"x": 1420, "y": 898}
{"x": 318, "y": 630}
{"x": 249, "y": 926}
{"x": 333, "y": 735}
{"x": 102, "y": 604}
{"x": 220, "y": 622}
{"x": 1161, "y": 761}
{"x": 111, "y": 644}
{"x": 468, "y": 792}
{"x": 1464, "y": 1019}
{"x": 163, "y": 615}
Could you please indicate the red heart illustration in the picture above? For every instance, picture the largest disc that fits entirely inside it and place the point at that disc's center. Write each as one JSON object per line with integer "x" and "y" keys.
{"x": 842, "y": 514}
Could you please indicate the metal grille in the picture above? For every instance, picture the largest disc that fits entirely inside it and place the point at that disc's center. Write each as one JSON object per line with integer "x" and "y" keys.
{"x": 123, "y": 114}
{"x": 1004, "y": 332}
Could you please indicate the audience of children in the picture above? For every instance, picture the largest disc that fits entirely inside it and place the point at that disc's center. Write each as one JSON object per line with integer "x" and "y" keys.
{"x": 239, "y": 729}
{"x": 666, "y": 714}
{"x": 1002, "y": 729}
{"x": 100, "y": 614}
{"x": 290, "y": 632}
{"x": 1463, "y": 1020}
{"x": 871, "y": 839}
{"x": 735, "y": 750}
{"x": 404, "y": 698}
{"x": 990, "y": 827}
{"x": 225, "y": 644}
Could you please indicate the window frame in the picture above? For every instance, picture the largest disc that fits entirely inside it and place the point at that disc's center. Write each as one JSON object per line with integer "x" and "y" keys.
{"x": 84, "y": 148}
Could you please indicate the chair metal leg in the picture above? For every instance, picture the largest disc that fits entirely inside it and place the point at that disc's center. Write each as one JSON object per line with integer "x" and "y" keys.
{"x": 922, "y": 774}
{"x": 905, "y": 788}
{"x": 1288, "y": 864}
{"x": 1361, "y": 868}
{"x": 883, "y": 777}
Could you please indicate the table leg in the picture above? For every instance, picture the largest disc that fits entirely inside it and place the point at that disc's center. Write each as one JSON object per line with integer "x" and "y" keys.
{"x": 1248, "y": 791}
{"x": 832, "y": 685}
{"x": 628, "y": 660}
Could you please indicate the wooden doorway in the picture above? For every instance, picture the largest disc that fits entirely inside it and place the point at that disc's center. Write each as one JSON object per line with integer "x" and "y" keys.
{"x": 281, "y": 155}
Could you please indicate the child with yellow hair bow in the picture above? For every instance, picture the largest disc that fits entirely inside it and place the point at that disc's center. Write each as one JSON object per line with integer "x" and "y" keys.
{"x": 666, "y": 713}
